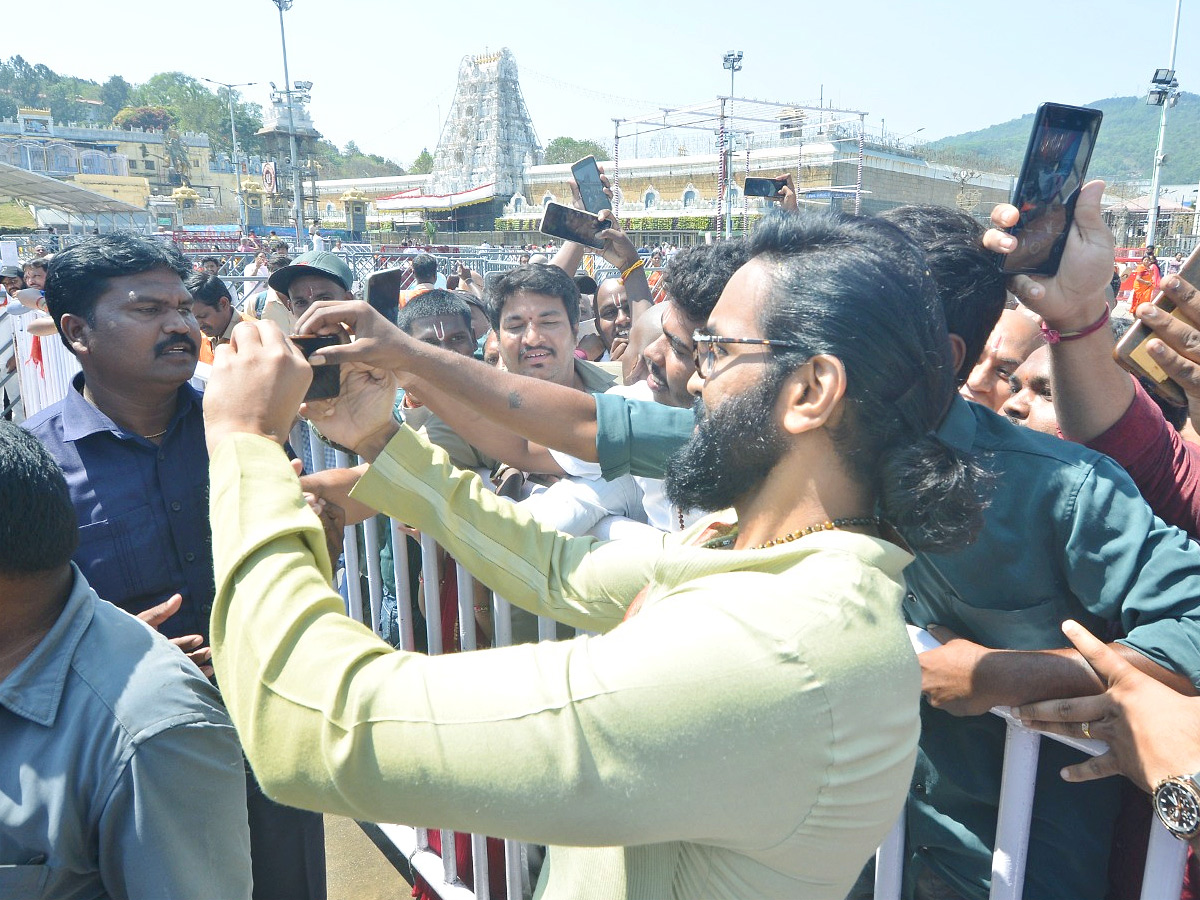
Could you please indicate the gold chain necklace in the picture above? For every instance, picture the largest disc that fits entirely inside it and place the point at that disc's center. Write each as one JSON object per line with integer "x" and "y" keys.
{"x": 151, "y": 437}
{"x": 831, "y": 525}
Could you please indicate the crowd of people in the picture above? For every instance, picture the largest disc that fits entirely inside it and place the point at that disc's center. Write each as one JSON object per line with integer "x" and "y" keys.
{"x": 738, "y": 470}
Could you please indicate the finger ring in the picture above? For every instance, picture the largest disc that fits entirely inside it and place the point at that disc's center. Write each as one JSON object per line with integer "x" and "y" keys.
{"x": 1086, "y": 729}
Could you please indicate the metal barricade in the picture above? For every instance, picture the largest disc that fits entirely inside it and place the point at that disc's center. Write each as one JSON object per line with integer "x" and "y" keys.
{"x": 45, "y": 366}
{"x": 1165, "y": 856}
{"x": 11, "y": 406}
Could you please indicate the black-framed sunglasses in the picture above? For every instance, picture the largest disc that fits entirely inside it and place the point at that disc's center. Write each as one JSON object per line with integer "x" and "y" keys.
{"x": 706, "y": 358}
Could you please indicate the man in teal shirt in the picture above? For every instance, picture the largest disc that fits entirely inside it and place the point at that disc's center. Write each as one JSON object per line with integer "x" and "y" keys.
{"x": 1066, "y": 536}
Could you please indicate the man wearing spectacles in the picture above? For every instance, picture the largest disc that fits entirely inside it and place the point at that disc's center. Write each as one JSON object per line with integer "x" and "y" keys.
{"x": 768, "y": 634}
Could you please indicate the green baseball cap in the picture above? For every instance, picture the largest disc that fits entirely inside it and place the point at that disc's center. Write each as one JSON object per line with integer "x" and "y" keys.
{"x": 315, "y": 262}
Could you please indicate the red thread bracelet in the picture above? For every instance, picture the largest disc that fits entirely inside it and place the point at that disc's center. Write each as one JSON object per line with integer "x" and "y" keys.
{"x": 1053, "y": 336}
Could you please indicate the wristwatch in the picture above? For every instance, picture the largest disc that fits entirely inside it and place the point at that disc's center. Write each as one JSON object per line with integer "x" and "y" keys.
{"x": 1177, "y": 802}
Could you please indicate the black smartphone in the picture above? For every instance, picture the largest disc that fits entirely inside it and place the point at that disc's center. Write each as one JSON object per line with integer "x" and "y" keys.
{"x": 327, "y": 380}
{"x": 572, "y": 225}
{"x": 587, "y": 175}
{"x": 763, "y": 187}
{"x": 1054, "y": 169}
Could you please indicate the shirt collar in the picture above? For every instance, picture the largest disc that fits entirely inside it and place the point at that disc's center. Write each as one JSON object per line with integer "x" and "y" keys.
{"x": 233, "y": 323}
{"x": 33, "y": 690}
{"x": 958, "y": 427}
{"x": 595, "y": 379}
{"x": 80, "y": 418}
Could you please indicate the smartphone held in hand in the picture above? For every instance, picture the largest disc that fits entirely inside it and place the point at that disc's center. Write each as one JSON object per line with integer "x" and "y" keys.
{"x": 586, "y": 173}
{"x": 573, "y": 225}
{"x": 1131, "y": 353}
{"x": 1054, "y": 170}
{"x": 764, "y": 187}
{"x": 327, "y": 380}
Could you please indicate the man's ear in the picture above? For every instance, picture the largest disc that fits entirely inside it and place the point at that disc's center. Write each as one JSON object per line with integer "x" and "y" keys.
{"x": 75, "y": 329}
{"x": 958, "y": 351}
{"x": 811, "y": 397}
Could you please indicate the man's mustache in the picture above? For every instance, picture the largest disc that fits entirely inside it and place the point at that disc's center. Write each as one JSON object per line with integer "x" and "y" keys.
{"x": 181, "y": 341}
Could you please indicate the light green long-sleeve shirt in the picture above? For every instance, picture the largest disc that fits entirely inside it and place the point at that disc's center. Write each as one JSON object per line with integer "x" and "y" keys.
{"x": 750, "y": 732}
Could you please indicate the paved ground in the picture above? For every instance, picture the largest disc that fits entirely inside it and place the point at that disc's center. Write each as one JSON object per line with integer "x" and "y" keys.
{"x": 356, "y": 868}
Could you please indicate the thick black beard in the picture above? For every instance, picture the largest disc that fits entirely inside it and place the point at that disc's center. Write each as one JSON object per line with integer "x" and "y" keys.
{"x": 730, "y": 453}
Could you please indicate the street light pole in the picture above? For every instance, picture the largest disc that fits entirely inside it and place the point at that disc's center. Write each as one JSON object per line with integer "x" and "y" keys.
{"x": 237, "y": 169}
{"x": 297, "y": 200}
{"x": 1164, "y": 91}
{"x": 733, "y": 62}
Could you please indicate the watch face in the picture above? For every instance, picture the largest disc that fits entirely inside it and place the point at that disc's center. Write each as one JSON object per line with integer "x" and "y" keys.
{"x": 1177, "y": 803}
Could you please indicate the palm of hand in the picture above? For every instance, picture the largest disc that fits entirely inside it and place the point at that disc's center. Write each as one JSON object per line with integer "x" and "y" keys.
{"x": 364, "y": 406}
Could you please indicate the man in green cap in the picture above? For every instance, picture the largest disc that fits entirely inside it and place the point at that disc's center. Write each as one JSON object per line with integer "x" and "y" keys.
{"x": 316, "y": 275}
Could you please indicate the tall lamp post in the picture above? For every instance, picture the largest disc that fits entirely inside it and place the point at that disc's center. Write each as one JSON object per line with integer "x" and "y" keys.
{"x": 1164, "y": 92}
{"x": 237, "y": 169}
{"x": 733, "y": 62}
{"x": 297, "y": 201}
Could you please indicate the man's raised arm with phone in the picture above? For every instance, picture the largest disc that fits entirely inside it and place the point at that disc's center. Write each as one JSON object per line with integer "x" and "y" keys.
{"x": 1098, "y": 403}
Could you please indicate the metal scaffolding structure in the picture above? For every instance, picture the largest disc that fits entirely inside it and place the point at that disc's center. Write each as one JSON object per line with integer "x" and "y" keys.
{"x": 757, "y": 124}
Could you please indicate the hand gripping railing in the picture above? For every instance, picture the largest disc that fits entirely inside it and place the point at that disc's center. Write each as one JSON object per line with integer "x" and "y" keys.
{"x": 1165, "y": 856}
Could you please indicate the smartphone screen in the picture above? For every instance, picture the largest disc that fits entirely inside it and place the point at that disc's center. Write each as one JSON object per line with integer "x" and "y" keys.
{"x": 572, "y": 225}
{"x": 1054, "y": 169}
{"x": 327, "y": 380}
{"x": 762, "y": 187}
{"x": 591, "y": 189}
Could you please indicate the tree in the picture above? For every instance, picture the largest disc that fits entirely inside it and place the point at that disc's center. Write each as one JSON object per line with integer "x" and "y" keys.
{"x": 115, "y": 93}
{"x": 155, "y": 117}
{"x": 423, "y": 164}
{"x": 198, "y": 109}
{"x": 567, "y": 150}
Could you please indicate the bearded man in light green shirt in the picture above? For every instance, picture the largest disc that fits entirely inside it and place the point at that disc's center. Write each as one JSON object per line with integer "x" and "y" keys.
{"x": 745, "y": 723}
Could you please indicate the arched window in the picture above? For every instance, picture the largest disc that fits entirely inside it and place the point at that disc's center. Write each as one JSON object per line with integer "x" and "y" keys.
{"x": 650, "y": 198}
{"x": 547, "y": 199}
{"x": 690, "y": 197}
{"x": 518, "y": 203}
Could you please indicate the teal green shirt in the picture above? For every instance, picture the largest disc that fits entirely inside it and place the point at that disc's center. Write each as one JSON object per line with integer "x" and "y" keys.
{"x": 1067, "y": 535}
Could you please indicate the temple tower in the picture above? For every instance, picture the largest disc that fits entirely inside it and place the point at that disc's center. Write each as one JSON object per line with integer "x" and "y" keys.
{"x": 488, "y": 136}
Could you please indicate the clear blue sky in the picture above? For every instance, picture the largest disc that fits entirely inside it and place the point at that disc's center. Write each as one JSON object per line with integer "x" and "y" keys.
{"x": 384, "y": 70}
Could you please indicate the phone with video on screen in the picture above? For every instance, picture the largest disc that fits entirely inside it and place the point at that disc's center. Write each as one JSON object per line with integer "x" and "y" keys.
{"x": 1055, "y": 166}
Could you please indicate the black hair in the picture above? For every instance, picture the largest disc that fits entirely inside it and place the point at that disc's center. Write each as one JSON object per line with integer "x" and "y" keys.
{"x": 586, "y": 284}
{"x": 36, "y": 262}
{"x": 858, "y": 289}
{"x": 277, "y": 261}
{"x": 38, "y": 532}
{"x": 695, "y": 278}
{"x": 534, "y": 278}
{"x": 424, "y": 267}
{"x": 435, "y": 302}
{"x": 970, "y": 285}
{"x": 210, "y": 259}
{"x": 207, "y": 289}
{"x": 79, "y": 275}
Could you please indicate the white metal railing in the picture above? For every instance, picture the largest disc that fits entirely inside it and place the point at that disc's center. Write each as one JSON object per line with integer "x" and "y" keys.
{"x": 42, "y": 384}
{"x": 1165, "y": 856}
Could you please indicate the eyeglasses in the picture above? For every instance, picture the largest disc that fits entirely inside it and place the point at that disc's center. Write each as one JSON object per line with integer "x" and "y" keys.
{"x": 706, "y": 358}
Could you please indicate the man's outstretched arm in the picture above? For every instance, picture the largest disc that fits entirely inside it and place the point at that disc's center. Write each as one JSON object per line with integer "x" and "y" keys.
{"x": 551, "y": 415}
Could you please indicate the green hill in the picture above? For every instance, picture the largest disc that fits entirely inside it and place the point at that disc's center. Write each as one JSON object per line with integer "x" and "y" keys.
{"x": 1124, "y": 150}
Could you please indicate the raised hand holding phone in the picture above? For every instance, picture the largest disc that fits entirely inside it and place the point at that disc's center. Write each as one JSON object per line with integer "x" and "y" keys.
{"x": 1071, "y": 299}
